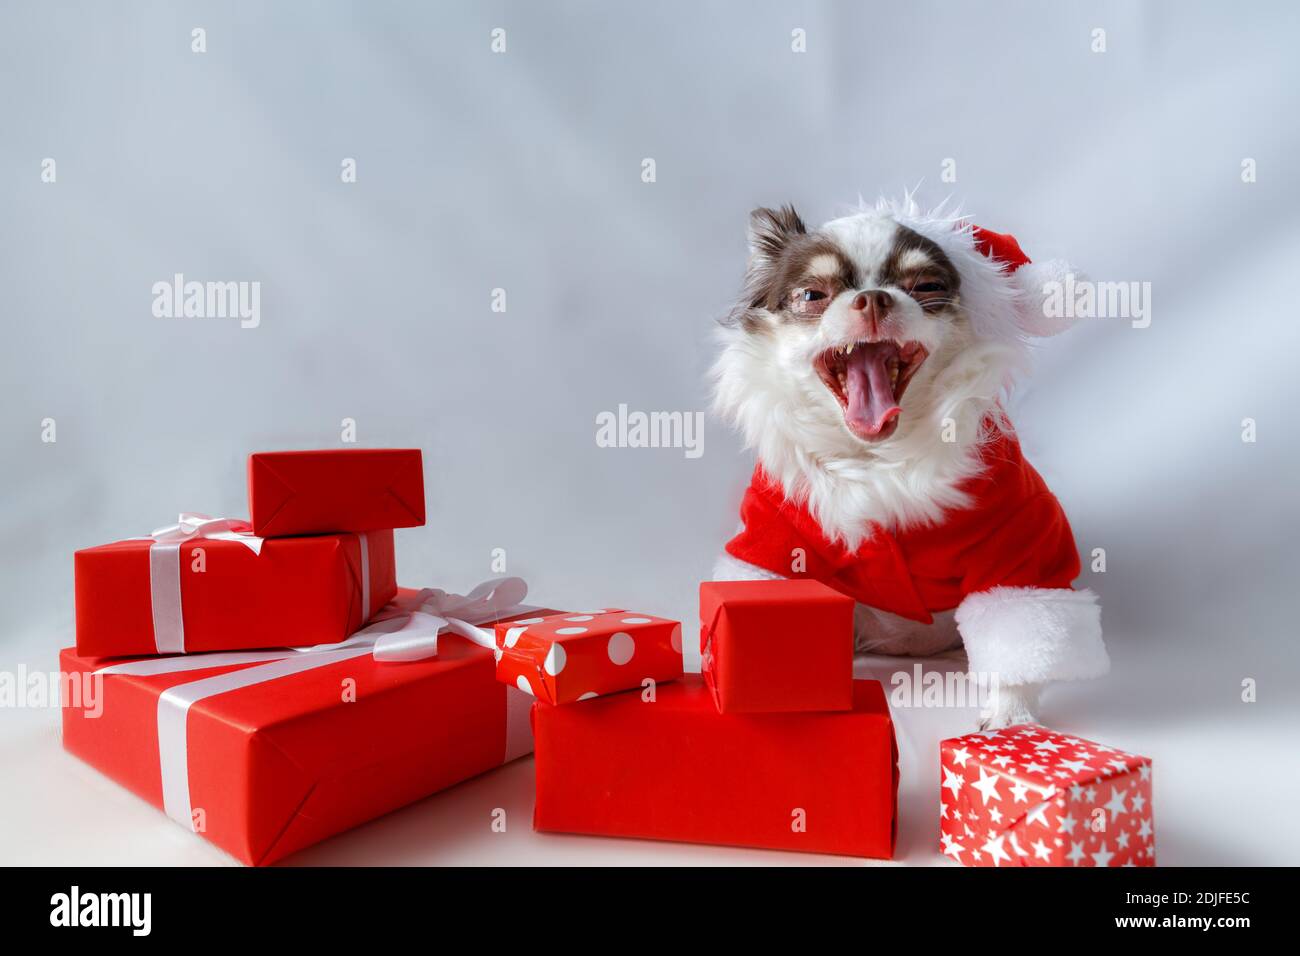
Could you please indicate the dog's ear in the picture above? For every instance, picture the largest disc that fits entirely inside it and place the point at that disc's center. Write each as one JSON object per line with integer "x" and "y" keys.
{"x": 770, "y": 230}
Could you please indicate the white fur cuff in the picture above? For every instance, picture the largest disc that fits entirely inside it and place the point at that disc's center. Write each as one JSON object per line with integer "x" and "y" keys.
{"x": 1032, "y": 635}
{"x": 729, "y": 568}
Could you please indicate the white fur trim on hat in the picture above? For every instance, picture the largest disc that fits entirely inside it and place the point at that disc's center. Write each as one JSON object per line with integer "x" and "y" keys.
{"x": 1032, "y": 635}
{"x": 1000, "y": 304}
{"x": 1041, "y": 286}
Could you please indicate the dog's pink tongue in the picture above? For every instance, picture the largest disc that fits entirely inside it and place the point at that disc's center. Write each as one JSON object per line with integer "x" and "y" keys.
{"x": 871, "y": 397}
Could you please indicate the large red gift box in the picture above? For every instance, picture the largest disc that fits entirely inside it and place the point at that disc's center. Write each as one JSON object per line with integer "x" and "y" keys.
{"x": 776, "y": 646}
{"x": 228, "y": 593}
{"x": 675, "y": 769}
{"x": 574, "y": 656}
{"x": 359, "y": 489}
{"x": 1029, "y": 796}
{"x": 264, "y": 753}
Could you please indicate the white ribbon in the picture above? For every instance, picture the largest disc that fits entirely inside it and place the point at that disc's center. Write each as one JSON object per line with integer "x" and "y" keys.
{"x": 405, "y": 629}
{"x": 364, "y": 543}
{"x": 434, "y": 611}
{"x": 165, "y": 570}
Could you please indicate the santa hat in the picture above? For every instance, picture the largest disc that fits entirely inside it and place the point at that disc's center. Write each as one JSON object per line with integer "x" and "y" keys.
{"x": 1033, "y": 281}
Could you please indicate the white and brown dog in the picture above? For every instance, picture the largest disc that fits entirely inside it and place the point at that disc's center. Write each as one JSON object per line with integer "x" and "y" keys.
{"x": 865, "y": 365}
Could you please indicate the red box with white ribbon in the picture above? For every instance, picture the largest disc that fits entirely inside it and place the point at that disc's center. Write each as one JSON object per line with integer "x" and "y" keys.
{"x": 673, "y": 768}
{"x": 209, "y": 585}
{"x": 266, "y": 752}
{"x": 769, "y": 646}
{"x": 1029, "y": 796}
{"x": 574, "y": 656}
{"x": 338, "y": 489}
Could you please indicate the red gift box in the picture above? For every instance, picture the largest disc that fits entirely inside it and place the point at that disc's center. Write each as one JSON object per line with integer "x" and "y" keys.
{"x": 1028, "y": 796}
{"x": 310, "y": 492}
{"x": 776, "y": 646}
{"x": 573, "y": 656}
{"x": 675, "y": 769}
{"x": 227, "y": 592}
{"x": 265, "y": 753}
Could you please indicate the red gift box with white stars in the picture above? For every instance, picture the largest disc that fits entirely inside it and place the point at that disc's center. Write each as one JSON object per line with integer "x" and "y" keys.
{"x": 1029, "y": 796}
{"x": 561, "y": 658}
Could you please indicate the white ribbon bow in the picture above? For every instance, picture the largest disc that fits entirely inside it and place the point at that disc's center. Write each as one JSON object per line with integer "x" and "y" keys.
{"x": 191, "y": 524}
{"x": 165, "y": 570}
{"x": 408, "y": 628}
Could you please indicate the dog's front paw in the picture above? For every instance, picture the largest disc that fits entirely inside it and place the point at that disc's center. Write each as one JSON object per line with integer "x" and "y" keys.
{"x": 1010, "y": 706}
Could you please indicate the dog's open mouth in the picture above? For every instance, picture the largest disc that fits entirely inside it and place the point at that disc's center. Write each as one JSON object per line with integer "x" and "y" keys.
{"x": 868, "y": 380}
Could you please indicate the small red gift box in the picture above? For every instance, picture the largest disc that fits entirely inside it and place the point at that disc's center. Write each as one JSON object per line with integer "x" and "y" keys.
{"x": 1028, "y": 796}
{"x": 227, "y": 590}
{"x": 310, "y": 492}
{"x": 673, "y": 768}
{"x": 264, "y": 753}
{"x": 573, "y": 656}
{"x": 776, "y": 645}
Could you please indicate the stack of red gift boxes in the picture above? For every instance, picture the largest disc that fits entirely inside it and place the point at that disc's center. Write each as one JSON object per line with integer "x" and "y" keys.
{"x": 268, "y": 685}
{"x": 237, "y": 687}
{"x": 776, "y": 745}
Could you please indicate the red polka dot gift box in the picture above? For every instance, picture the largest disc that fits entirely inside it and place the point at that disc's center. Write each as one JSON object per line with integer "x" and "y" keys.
{"x": 668, "y": 766}
{"x": 1029, "y": 796}
{"x": 561, "y": 658}
{"x": 769, "y": 646}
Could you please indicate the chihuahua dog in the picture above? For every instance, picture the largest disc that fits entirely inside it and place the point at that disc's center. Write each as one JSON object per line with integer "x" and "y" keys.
{"x": 865, "y": 364}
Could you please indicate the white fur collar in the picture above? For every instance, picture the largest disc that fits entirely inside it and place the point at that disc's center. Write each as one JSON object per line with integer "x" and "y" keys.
{"x": 908, "y": 480}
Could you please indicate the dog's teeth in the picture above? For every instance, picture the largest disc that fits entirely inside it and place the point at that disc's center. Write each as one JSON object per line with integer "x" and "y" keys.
{"x": 848, "y": 349}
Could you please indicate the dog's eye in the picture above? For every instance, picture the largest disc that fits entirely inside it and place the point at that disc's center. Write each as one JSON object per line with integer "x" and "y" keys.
{"x": 928, "y": 288}
{"x": 812, "y": 299}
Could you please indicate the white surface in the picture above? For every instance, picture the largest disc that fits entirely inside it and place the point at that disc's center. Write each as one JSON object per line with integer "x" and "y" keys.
{"x": 522, "y": 171}
{"x": 1225, "y": 776}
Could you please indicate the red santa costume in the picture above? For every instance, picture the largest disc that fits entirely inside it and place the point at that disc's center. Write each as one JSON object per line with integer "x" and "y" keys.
{"x": 1006, "y": 562}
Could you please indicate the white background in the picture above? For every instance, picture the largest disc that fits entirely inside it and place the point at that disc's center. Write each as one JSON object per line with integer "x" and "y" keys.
{"x": 522, "y": 171}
